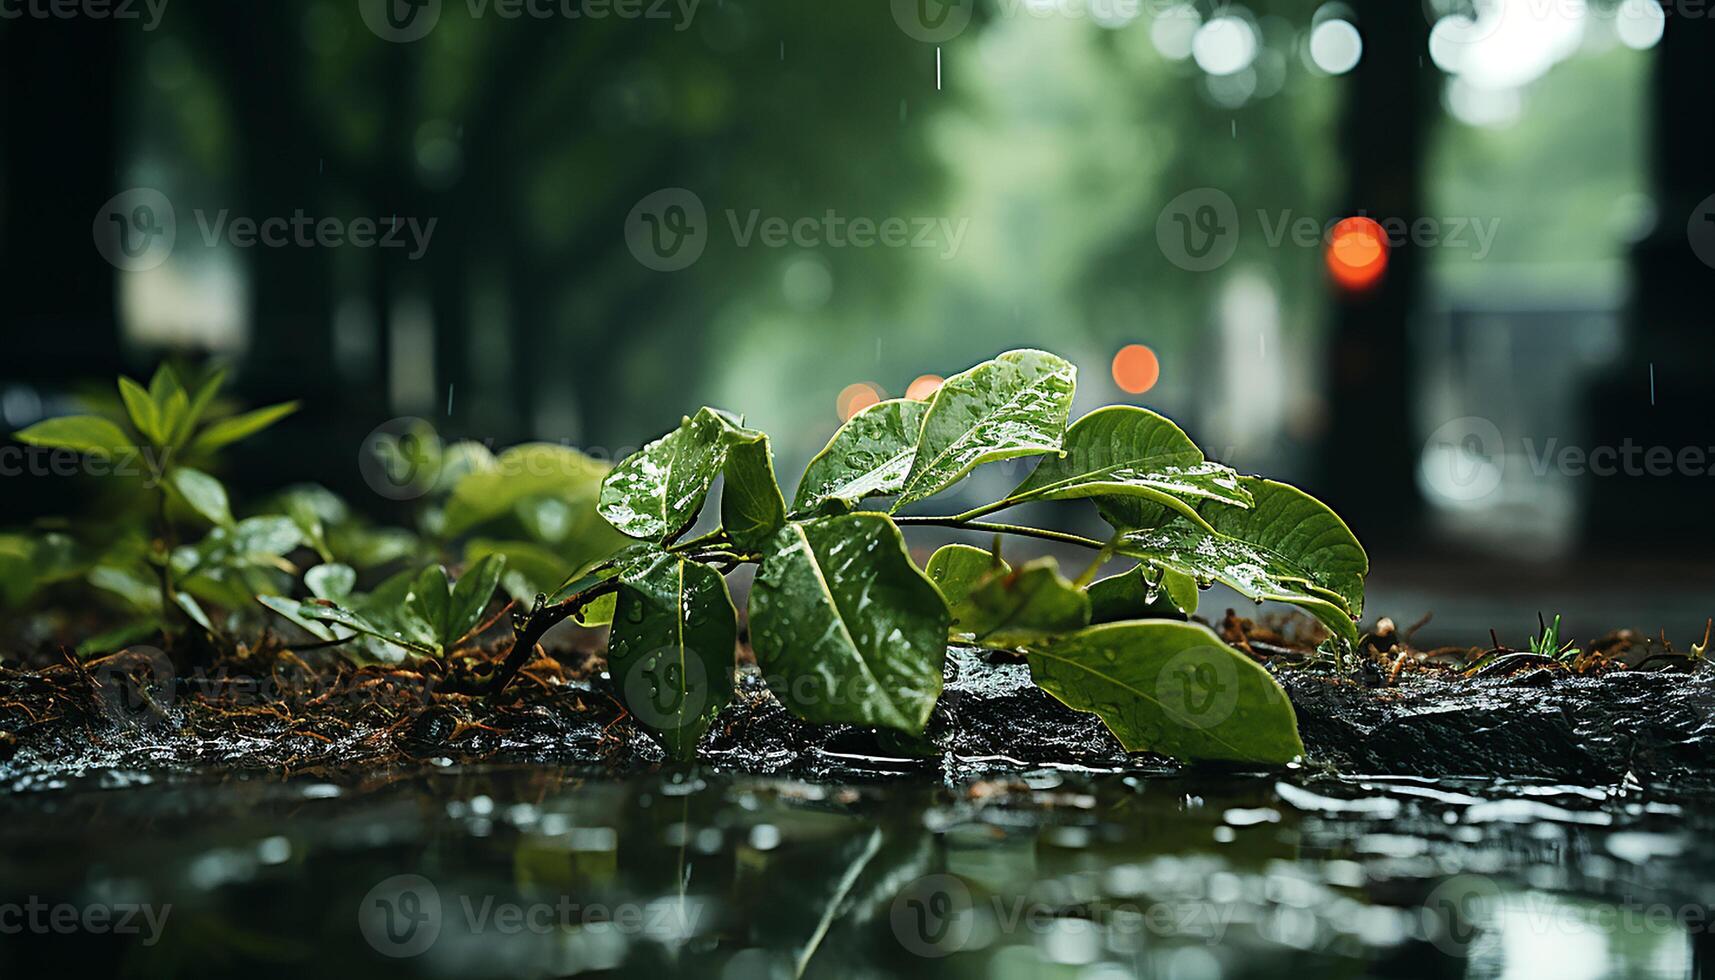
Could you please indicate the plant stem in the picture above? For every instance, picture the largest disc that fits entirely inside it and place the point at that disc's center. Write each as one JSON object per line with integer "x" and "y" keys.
{"x": 1018, "y": 530}
{"x": 1089, "y": 574}
{"x": 539, "y": 623}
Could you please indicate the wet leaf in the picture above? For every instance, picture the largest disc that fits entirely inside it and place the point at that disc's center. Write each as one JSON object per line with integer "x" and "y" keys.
{"x": 431, "y": 600}
{"x": 1015, "y": 405}
{"x": 470, "y": 598}
{"x": 845, "y": 628}
{"x": 1288, "y": 547}
{"x": 389, "y": 634}
{"x": 82, "y": 433}
{"x": 1127, "y": 451}
{"x": 752, "y": 507}
{"x": 291, "y": 609}
{"x": 1172, "y": 688}
{"x": 1143, "y": 593}
{"x": 659, "y": 490}
{"x": 672, "y": 649}
{"x": 1010, "y": 608}
{"x": 956, "y": 569}
{"x": 869, "y": 456}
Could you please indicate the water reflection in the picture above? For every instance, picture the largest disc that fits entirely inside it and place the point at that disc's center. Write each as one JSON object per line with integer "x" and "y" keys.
{"x": 508, "y": 872}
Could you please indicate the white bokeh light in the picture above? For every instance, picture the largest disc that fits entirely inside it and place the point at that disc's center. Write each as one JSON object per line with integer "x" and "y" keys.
{"x": 1510, "y": 43}
{"x": 1336, "y": 46}
{"x": 1172, "y": 30}
{"x": 1639, "y": 23}
{"x": 1224, "y": 46}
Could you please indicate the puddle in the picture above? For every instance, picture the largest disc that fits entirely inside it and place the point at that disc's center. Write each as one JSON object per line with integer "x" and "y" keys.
{"x": 533, "y": 871}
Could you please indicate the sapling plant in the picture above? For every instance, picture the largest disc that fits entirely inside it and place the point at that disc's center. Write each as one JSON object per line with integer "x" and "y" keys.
{"x": 165, "y": 434}
{"x": 847, "y": 629}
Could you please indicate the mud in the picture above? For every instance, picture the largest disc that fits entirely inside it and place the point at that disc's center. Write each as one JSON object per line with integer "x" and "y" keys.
{"x": 1654, "y": 728}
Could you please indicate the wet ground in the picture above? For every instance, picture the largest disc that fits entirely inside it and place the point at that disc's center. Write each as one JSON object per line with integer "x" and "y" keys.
{"x": 543, "y": 837}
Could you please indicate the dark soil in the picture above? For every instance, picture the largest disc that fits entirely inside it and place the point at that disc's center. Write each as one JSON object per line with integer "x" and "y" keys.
{"x": 1628, "y": 712}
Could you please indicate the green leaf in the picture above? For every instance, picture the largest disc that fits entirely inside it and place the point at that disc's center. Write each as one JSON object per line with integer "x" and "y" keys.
{"x": 171, "y": 403}
{"x": 1288, "y": 547}
{"x": 120, "y": 637}
{"x": 83, "y": 433}
{"x": 869, "y": 456}
{"x": 845, "y": 628}
{"x": 304, "y": 514}
{"x": 1128, "y": 451}
{"x": 188, "y": 603}
{"x": 330, "y": 581}
{"x": 255, "y": 541}
{"x": 1143, "y": 593}
{"x": 291, "y": 610}
{"x": 752, "y": 507}
{"x": 659, "y": 490}
{"x": 138, "y": 590}
{"x": 234, "y": 428}
{"x": 204, "y": 494}
{"x": 530, "y": 568}
{"x": 470, "y": 597}
{"x": 498, "y": 486}
{"x": 1172, "y": 688}
{"x": 956, "y": 569}
{"x": 197, "y": 406}
{"x": 1010, "y": 608}
{"x": 1015, "y": 405}
{"x": 388, "y": 634}
{"x": 671, "y": 653}
{"x": 144, "y": 413}
{"x": 431, "y": 600}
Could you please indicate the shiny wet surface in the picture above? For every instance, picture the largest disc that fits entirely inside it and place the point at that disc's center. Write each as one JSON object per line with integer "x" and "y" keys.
{"x": 534, "y": 871}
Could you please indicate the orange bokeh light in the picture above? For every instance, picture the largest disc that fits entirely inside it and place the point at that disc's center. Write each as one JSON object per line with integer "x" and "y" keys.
{"x": 856, "y": 397}
{"x": 924, "y": 388}
{"x": 1136, "y": 369}
{"x": 1357, "y": 256}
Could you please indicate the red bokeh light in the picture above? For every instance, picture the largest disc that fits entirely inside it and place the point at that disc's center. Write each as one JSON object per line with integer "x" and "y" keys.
{"x": 1136, "y": 369}
{"x": 1357, "y": 255}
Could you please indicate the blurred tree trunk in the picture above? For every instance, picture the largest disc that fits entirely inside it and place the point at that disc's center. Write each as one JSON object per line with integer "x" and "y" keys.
{"x": 61, "y": 166}
{"x": 1659, "y": 393}
{"x": 1369, "y": 458}
{"x": 60, "y": 124}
